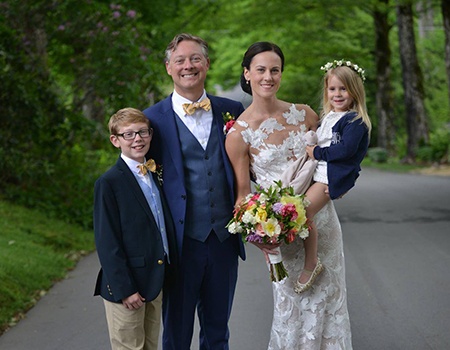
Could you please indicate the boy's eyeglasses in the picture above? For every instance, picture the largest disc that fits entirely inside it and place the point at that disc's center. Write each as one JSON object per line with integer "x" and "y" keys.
{"x": 131, "y": 135}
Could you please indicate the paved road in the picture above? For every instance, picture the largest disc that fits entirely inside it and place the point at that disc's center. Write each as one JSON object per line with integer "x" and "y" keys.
{"x": 397, "y": 248}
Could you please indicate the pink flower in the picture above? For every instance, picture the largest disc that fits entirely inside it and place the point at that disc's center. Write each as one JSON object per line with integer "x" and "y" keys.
{"x": 131, "y": 13}
{"x": 259, "y": 230}
{"x": 289, "y": 210}
{"x": 229, "y": 125}
{"x": 290, "y": 237}
{"x": 255, "y": 197}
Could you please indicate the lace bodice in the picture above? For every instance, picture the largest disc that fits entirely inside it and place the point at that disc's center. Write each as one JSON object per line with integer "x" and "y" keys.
{"x": 318, "y": 319}
{"x": 275, "y": 144}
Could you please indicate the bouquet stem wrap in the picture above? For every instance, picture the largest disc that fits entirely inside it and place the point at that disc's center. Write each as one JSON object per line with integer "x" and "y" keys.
{"x": 277, "y": 270}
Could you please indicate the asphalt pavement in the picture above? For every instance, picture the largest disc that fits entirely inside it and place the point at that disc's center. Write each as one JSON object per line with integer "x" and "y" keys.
{"x": 396, "y": 231}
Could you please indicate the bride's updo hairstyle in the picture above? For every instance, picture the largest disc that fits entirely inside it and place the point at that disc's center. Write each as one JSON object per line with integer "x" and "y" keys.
{"x": 252, "y": 51}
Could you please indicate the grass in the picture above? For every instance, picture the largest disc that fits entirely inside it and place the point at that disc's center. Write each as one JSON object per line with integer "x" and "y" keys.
{"x": 35, "y": 252}
{"x": 391, "y": 164}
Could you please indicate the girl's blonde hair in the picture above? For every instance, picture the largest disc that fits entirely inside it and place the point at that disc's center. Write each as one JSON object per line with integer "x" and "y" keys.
{"x": 355, "y": 87}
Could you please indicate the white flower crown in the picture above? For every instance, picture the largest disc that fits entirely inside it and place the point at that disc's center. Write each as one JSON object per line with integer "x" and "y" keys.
{"x": 344, "y": 63}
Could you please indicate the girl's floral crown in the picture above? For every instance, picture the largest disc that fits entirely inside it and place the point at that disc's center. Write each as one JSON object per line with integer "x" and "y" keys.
{"x": 344, "y": 63}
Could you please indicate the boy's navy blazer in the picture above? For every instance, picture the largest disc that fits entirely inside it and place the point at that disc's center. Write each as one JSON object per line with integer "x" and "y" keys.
{"x": 166, "y": 150}
{"x": 127, "y": 237}
{"x": 345, "y": 154}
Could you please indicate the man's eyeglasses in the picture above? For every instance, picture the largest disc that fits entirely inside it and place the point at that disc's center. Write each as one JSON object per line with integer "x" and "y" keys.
{"x": 131, "y": 135}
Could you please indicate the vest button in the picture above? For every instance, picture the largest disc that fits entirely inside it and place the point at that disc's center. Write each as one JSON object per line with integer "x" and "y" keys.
{"x": 206, "y": 157}
{"x": 181, "y": 221}
{"x": 183, "y": 196}
{"x": 209, "y": 173}
{"x": 160, "y": 262}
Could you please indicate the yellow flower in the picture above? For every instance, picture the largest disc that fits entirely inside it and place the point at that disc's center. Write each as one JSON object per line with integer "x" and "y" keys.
{"x": 271, "y": 227}
{"x": 261, "y": 214}
{"x": 298, "y": 203}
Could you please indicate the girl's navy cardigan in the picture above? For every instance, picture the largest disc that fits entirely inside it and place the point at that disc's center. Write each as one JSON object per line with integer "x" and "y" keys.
{"x": 348, "y": 147}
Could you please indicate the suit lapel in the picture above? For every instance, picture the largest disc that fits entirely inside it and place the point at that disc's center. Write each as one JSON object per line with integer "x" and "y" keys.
{"x": 218, "y": 108}
{"x": 169, "y": 135}
{"x": 135, "y": 188}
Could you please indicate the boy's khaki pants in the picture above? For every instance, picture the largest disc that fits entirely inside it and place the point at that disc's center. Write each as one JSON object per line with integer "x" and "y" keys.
{"x": 134, "y": 329}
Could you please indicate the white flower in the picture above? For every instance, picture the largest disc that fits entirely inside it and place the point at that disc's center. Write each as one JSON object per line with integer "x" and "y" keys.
{"x": 248, "y": 218}
{"x": 349, "y": 64}
{"x": 263, "y": 198}
{"x": 234, "y": 227}
{"x": 271, "y": 227}
{"x": 303, "y": 234}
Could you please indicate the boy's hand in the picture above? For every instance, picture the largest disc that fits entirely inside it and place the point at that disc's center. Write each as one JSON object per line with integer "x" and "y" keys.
{"x": 134, "y": 301}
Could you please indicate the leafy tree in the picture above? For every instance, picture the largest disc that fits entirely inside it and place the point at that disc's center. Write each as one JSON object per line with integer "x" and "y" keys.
{"x": 384, "y": 91}
{"x": 445, "y": 6}
{"x": 412, "y": 81}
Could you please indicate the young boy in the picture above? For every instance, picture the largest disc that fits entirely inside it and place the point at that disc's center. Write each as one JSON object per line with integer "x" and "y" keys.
{"x": 134, "y": 236}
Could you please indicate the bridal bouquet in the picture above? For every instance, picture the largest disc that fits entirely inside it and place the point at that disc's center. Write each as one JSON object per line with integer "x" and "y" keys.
{"x": 271, "y": 215}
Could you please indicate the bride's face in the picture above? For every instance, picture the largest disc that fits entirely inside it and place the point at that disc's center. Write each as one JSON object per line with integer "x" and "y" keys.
{"x": 264, "y": 74}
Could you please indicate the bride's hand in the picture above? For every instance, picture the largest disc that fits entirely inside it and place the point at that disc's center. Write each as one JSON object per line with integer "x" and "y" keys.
{"x": 267, "y": 248}
{"x": 310, "y": 151}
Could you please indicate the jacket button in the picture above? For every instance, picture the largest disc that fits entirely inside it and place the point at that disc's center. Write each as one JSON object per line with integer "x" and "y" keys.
{"x": 160, "y": 262}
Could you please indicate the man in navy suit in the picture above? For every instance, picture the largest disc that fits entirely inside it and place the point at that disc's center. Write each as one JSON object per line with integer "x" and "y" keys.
{"x": 198, "y": 185}
{"x": 134, "y": 236}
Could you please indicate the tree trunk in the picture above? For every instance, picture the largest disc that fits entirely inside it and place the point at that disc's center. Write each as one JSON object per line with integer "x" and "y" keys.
{"x": 446, "y": 16}
{"x": 384, "y": 99}
{"x": 425, "y": 17}
{"x": 416, "y": 120}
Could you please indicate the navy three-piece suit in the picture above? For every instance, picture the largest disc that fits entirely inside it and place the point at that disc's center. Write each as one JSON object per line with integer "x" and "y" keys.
{"x": 198, "y": 185}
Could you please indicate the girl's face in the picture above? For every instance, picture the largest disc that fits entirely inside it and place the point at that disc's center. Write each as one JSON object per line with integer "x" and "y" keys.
{"x": 338, "y": 95}
{"x": 264, "y": 74}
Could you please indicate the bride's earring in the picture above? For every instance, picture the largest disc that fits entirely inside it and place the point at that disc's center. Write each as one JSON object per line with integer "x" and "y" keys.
{"x": 247, "y": 82}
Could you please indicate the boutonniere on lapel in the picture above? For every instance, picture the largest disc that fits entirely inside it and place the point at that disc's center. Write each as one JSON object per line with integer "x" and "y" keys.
{"x": 150, "y": 165}
{"x": 228, "y": 121}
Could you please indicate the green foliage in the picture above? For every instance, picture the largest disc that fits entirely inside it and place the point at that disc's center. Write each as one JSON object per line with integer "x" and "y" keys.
{"x": 35, "y": 251}
{"x": 66, "y": 66}
{"x": 438, "y": 149}
{"x": 106, "y": 54}
{"x": 377, "y": 154}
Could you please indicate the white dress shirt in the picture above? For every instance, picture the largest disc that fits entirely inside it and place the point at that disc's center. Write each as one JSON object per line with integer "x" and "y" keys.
{"x": 199, "y": 123}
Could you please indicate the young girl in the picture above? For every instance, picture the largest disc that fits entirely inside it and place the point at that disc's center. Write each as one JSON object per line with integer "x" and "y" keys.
{"x": 343, "y": 139}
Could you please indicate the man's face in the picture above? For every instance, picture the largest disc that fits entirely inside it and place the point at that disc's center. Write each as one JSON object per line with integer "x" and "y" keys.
{"x": 187, "y": 67}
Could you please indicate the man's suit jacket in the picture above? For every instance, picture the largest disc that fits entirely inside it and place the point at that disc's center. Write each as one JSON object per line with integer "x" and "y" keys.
{"x": 128, "y": 241}
{"x": 166, "y": 150}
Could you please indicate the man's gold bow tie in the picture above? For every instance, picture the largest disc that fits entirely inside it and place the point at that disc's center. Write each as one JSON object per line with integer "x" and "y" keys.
{"x": 189, "y": 108}
{"x": 149, "y": 165}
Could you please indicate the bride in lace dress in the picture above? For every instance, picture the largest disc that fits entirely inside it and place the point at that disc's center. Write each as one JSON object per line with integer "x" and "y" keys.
{"x": 265, "y": 140}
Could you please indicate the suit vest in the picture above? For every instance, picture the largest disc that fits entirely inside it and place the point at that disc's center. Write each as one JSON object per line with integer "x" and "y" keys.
{"x": 208, "y": 206}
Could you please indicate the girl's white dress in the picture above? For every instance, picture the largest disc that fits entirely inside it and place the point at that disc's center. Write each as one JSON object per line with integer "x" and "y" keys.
{"x": 318, "y": 318}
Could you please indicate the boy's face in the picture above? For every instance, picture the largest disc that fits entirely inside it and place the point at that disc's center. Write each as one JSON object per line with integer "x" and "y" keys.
{"x": 135, "y": 148}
